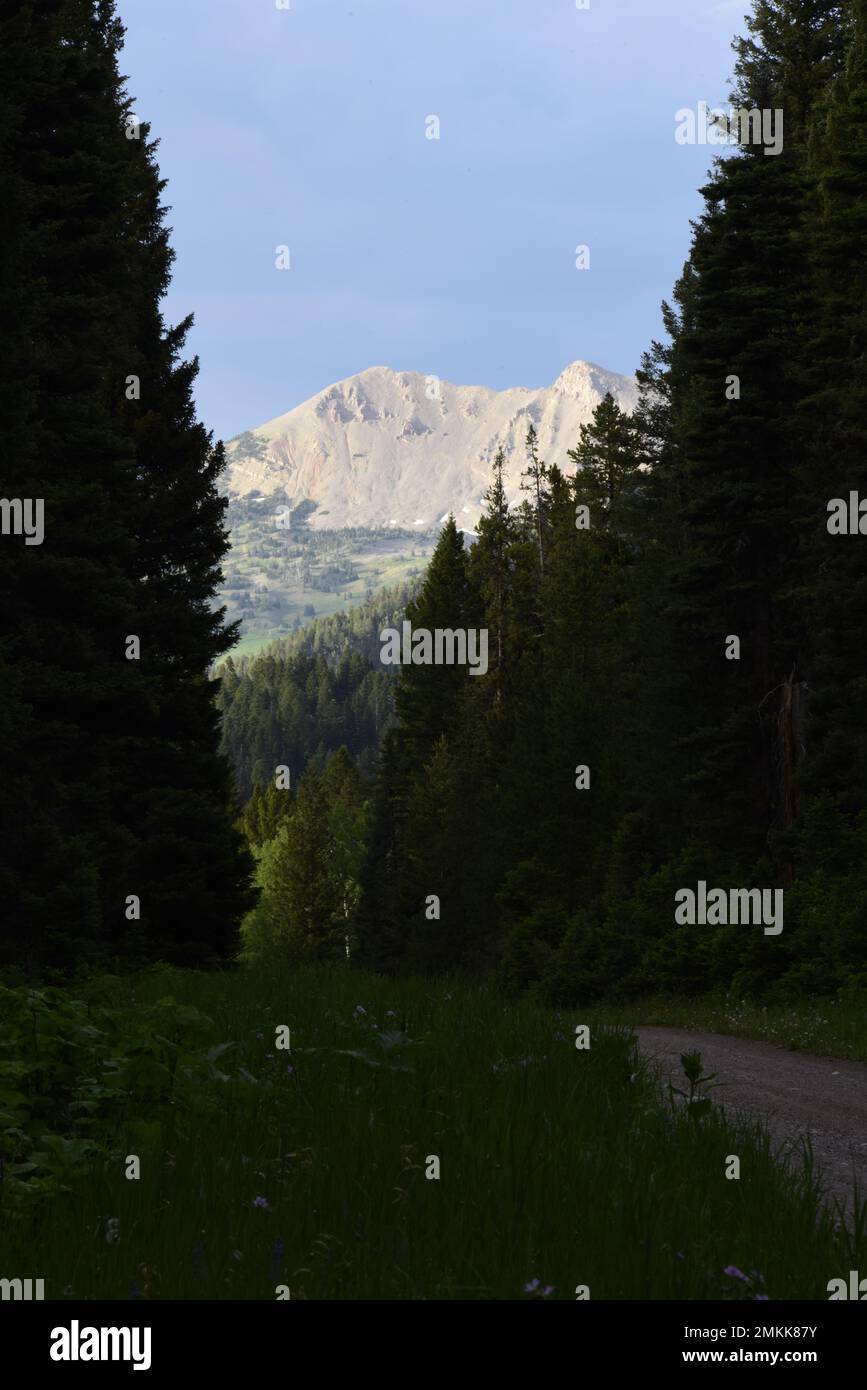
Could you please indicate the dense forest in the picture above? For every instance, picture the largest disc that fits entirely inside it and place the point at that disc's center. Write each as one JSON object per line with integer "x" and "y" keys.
{"x": 325, "y": 975}
{"x": 676, "y": 685}
{"x": 119, "y": 837}
{"x": 675, "y": 690}
{"x": 310, "y": 694}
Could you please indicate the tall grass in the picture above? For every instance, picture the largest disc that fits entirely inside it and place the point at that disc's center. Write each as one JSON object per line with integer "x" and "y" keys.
{"x": 557, "y": 1165}
{"x": 831, "y": 1027}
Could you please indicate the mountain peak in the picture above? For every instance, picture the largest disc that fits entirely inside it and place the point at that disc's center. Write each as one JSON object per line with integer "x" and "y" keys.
{"x": 580, "y": 377}
{"x": 386, "y": 447}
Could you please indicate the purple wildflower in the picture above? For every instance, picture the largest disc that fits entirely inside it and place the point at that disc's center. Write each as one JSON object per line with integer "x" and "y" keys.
{"x": 535, "y": 1287}
{"x": 734, "y": 1273}
{"x": 261, "y": 1202}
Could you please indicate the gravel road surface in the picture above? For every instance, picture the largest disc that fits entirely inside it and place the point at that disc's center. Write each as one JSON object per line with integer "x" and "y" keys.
{"x": 794, "y": 1093}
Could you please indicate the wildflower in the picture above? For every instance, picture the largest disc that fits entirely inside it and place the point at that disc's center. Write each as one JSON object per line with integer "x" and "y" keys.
{"x": 389, "y": 1013}
{"x": 735, "y": 1273}
{"x": 360, "y": 1009}
{"x": 261, "y": 1202}
{"x": 534, "y": 1286}
{"x": 290, "y": 1070}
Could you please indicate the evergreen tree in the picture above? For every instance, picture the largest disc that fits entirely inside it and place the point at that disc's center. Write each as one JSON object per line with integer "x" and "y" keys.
{"x": 346, "y": 795}
{"x": 265, "y": 812}
{"x": 733, "y": 513}
{"x": 428, "y": 696}
{"x": 308, "y": 695}
{"x": 429, "y": 702}
{"x": 834, "y": 420}
{"x": 490, "y": 575}
{"x": 249, "y": 446}
{"x": 123, "y": 794}
{"x": 384, "y": 911}
{"x": 536, "y": 473}
{"x": 300, "y": 916}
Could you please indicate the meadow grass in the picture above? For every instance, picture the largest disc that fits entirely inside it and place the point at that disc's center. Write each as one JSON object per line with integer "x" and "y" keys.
{"x": 557, "y": 1165}
{"x": 832, "y": 1027}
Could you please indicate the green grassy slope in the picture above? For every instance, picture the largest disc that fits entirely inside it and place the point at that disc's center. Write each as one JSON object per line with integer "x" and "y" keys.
{"x": 308, "y": 1168}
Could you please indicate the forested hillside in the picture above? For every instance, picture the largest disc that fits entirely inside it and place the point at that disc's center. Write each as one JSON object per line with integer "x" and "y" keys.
{"x": 280, "y": 574}
{"x": 309, "y": 694}
{"x": 675, "y": 692}
{"x": 381, "y": 964}
{"x": 676, "y": 684}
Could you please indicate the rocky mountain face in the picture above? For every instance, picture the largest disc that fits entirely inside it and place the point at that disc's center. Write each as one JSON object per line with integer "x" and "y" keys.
{"x": 398, "y": 448}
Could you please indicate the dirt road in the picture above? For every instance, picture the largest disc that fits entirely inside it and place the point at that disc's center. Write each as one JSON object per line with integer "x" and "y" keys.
{"x": 795, "y": 1094}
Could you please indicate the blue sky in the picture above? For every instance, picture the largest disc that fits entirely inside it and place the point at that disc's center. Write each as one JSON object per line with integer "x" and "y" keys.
{"x": 306, "y": 127}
